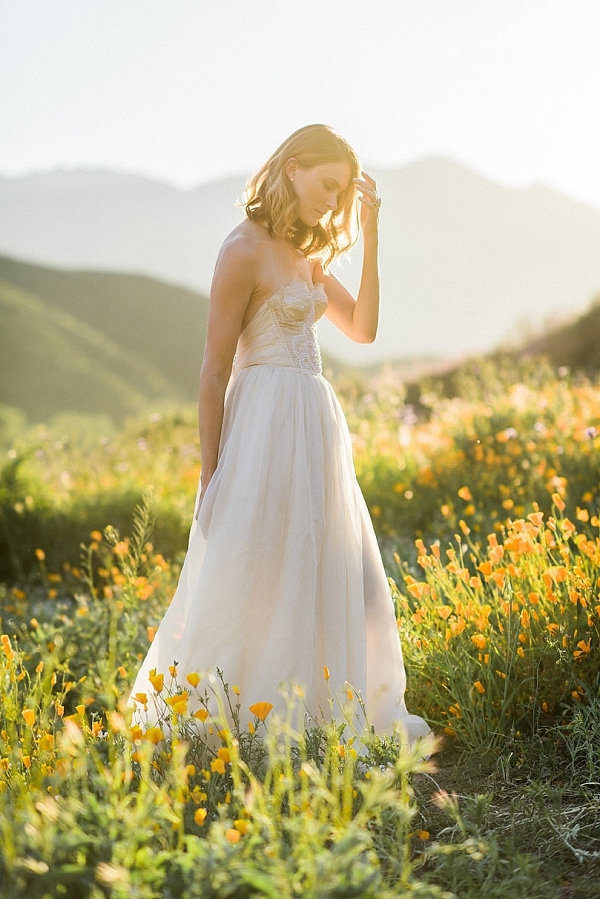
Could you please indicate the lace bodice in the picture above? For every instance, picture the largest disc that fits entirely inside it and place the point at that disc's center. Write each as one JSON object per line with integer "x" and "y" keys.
{"x": 283, "y": 331}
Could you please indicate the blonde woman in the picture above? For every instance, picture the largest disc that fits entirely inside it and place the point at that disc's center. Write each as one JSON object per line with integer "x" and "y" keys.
{"x": 283, "y": 581}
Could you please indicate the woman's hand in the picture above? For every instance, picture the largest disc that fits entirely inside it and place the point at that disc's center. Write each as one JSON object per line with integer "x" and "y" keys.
{"x": 370, "y": 203}
{"x": 205, "y": 480}
{"x": 203, "y": 487}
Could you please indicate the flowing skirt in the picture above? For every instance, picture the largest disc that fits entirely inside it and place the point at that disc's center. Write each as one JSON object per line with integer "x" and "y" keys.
{"x": 283, "y": 576}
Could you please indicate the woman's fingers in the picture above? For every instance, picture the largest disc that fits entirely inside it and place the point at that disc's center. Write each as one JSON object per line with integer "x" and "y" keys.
{"x": 368, "y": 188}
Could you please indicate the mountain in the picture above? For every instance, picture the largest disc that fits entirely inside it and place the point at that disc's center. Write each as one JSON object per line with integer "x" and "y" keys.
{"x": 466, "y": 263}
{"x": 107, "y": 221}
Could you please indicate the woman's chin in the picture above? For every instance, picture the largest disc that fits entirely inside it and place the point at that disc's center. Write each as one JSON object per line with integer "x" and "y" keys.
{"x": 313, "y": 221}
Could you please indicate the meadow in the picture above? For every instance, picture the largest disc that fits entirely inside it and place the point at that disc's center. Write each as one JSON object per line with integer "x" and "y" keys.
{"x": 486, "y": 505}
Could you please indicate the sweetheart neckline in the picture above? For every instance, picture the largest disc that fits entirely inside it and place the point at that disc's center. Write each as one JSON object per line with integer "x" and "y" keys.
{"x": 282, "y": 289}
{"x": 300, "y": 283}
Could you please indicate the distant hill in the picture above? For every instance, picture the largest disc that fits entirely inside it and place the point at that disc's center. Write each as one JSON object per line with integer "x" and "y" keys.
{"x": 50, "y": 362}
{"x": 159, "y": 323}
{"x": 575, "y": 345}
{"x": 97, "y": 342}
{"x": 466, "y": 263}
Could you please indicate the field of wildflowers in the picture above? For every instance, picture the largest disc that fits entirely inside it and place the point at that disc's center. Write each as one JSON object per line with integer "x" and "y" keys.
{"x": 487, "y": 507}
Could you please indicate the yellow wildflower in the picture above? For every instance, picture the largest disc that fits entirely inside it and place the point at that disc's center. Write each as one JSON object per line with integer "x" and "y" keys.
{"x": 262, "y": 709}
{"x": 536, "y": 518}
{"x": 200, "y": 816}
{"x": 157, "y": 681}
{"x": 97, "y": 728}
{"x": 154, "y": 735}
{"x": 47, "y": 742}
{"x": 180, "y": 707}
{"x": 479, "y": 641}
{"x": 6, "y": 646}
{"x": 584, "y": 646}
{"x": 417, "y": 590}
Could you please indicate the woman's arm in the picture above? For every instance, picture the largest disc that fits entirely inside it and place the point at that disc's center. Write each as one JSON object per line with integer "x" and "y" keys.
{"x": 230, "y": 292}
{"x": 358, "y": 318}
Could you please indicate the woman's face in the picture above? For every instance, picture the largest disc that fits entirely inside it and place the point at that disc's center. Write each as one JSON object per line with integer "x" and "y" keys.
{"x": 319, "y": 189}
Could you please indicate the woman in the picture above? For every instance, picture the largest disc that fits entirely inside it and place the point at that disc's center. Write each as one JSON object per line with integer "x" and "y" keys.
{"x": 283, "y": 581}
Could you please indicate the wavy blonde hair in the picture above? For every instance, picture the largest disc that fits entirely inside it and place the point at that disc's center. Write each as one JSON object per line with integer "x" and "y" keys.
{"x": 270, "y": 199}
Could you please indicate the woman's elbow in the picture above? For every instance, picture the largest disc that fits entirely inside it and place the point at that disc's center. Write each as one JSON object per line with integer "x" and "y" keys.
{"x": 366, "y": 336}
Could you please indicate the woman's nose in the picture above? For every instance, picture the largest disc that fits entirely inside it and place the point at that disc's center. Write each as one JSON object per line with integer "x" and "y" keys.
{"x": 332, "y": 201}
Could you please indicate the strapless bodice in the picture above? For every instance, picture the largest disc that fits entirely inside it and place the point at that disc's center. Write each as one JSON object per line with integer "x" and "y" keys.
{"x": 282, "y": 332}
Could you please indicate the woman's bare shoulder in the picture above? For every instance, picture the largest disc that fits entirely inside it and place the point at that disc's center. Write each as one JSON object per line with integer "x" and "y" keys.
{"x": 240, "y": 259}
{"x": 244, "y": 245}
{"x": 247, "y": 234}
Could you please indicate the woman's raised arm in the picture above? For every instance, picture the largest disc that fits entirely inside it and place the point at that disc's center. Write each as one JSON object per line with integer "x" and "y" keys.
{"x": 358, "y": 318}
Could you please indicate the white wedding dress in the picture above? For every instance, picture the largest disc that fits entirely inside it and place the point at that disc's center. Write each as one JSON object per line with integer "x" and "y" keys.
{"x": 283, "y": 575}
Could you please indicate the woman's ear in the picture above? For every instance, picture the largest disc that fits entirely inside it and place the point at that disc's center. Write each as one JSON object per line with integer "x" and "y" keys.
{"x": 291, "y": 167}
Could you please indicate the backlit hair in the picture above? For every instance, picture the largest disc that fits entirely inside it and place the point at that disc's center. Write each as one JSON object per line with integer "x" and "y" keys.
{"x": 269, "y": 197}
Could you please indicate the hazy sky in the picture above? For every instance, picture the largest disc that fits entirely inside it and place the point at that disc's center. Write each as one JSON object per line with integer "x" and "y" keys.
{"x": 189, "y": 90}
